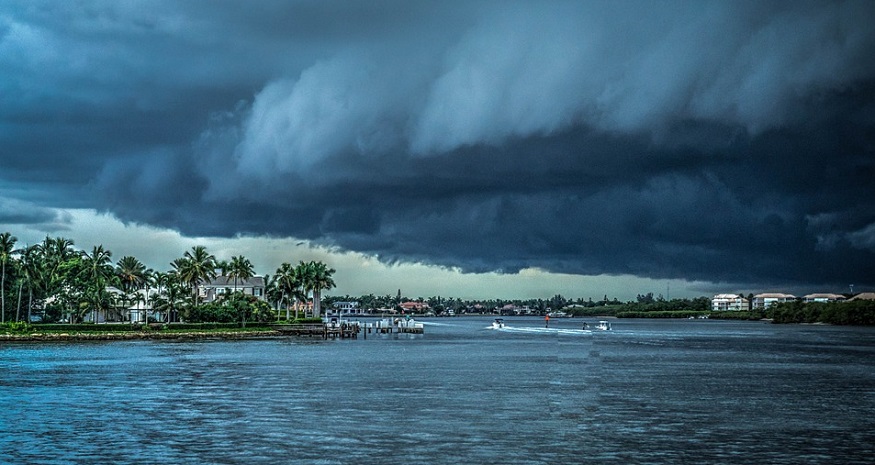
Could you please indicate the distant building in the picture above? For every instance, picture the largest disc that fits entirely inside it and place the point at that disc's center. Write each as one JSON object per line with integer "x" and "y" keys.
{"x": 729, "y": 303}
{"x": 824, "y": 298}
{"x": 511, "y": 309}
{"x": 768, "y": 299}
{"x": 863, "y": 296}
{"x": 414, "y": 306}
{"x": 348, "y": 308}
{"x": 212, "y": 290}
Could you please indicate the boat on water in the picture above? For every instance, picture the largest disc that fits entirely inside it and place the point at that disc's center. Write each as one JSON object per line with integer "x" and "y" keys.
{"x": 603, "y": 326}
{"x": 498, "y": 323}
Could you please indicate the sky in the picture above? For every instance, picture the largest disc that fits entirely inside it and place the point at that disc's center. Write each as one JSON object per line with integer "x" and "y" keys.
{"x": 476, "y": 148}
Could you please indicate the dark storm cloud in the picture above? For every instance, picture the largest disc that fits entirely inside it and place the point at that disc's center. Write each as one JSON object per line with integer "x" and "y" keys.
{"x": 715, "y": 141}
{"x": 13, "y": 211}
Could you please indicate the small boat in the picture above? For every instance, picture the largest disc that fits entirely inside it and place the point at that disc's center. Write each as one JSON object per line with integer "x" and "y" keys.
{"x": 603, "y": 326}
{"x": 498, "y": 323}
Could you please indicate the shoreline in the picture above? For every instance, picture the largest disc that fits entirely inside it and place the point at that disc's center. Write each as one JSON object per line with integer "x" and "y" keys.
{"x": 135, "y": 335}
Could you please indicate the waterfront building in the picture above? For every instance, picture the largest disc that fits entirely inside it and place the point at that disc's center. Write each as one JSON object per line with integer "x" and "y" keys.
{"x": 414, "y": 306}
{"x": 824, "y": 298}
{"x": 348, "y": 308}
{"x": 729, "y": 302}
{"x": 215, "y": 288}
{"x": 768, "y": 299}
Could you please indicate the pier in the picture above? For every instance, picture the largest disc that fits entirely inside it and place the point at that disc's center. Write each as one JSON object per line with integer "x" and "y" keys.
{"x": 345, "y": 329}
{"x": 397, "y": 326}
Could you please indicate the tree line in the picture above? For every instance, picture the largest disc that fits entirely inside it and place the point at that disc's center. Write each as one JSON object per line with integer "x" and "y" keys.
{"x": 578, "y": 307}
{"x": 57, "y": 282}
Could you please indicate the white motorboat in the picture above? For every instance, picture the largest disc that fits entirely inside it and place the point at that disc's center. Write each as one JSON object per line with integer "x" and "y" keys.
{"x": 603, "y": 326}
{"x": 498, "y": 323}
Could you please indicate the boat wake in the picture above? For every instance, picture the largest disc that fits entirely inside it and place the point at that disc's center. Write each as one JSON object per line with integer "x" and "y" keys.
{"x": 514, "y": 329}
{"x": 434, "y": 323}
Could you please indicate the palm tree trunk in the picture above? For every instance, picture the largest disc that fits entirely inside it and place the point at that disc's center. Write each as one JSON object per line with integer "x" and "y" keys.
{"x": 3, "y": 294}
{"x": 18, "y": 307}
{"x": 317, "y": 304}
{"x": 29, "y": 302}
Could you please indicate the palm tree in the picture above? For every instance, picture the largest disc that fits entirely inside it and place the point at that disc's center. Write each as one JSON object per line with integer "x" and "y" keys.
{"x": 240, "y": 268}
{"x": 318, "y": 278}
{"x": 98, "y": 273}
{"x": 131, "y": 272}
{"x": 273, "y": 293}
{"x": 196, "y": 266}
{"x": 170, "y": 294}
{"x": 30, "y": 268}
{"x": 7, "y": 244}
{"x": 288, "y": 281}
{"x": 223, "y": 266}
{"x": 148, "y": 281}
{"x": 55, "y": 255}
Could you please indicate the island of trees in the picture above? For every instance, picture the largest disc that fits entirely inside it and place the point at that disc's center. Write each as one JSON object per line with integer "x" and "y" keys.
{"x": 53, "y": 282}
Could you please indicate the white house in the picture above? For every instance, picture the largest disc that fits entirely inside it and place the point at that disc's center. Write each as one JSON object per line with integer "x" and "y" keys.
{"x": 348, "y": 308}
{"x": 824, "y": 298}
{"x": 211, "y": 290}
{"x": 729, "y": 302}
{"x": 768, "y": 299}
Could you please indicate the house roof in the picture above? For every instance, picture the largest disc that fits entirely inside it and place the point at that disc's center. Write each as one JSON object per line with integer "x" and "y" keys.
{"x": 864, "y": 296}
{"x": 775, "y": 295}
{"x": 824, "y": 296}
{"x": 225, "y": 281}
{"x": 414, "y": 305}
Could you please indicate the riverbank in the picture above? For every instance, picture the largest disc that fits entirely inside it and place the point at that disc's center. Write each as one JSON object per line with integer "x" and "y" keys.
{"x": 243, "y": 333}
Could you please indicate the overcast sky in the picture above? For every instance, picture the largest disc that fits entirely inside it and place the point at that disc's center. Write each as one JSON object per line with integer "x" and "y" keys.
{"x": 468, "y": 148}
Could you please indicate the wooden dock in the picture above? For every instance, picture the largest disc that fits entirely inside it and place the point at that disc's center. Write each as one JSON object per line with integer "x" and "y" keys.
{"x": 323, "y": 330}
{"x": 345, "y": 329}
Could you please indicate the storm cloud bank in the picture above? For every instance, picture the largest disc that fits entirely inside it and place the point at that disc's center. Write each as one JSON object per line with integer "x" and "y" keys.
{"x": 712, "y": 141}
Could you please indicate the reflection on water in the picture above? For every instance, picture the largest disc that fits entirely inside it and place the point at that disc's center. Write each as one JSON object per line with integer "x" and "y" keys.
{"x": 646, "y": 392}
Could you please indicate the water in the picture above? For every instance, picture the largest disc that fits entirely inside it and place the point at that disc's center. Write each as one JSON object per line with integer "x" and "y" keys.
{"x": 650, "y": 391}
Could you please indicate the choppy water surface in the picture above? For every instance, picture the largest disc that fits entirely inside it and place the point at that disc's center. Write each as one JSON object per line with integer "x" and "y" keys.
{"x": 648, "y": 392}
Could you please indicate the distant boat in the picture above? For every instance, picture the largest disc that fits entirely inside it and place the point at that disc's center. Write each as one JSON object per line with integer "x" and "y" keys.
{"x": 603, "y": 326}
{"x": 498, "y": 323}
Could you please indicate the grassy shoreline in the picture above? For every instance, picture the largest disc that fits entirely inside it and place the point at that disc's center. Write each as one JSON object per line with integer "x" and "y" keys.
{"x": 60, "y": 335}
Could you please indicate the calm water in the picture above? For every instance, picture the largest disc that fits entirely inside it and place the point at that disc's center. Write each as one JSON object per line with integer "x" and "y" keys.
{"x": 648, "y": 392}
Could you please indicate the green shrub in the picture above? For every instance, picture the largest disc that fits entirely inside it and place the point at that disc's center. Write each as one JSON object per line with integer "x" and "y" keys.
{"x": 663, "y": 314}
{"x": 17, "y": 327}
{"x": 200, "y": 326}
{"x": 108, "y": 327}
{"x": 858, "y": 312}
